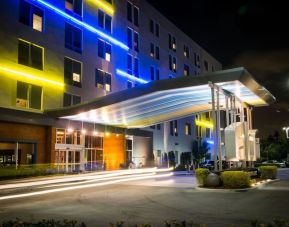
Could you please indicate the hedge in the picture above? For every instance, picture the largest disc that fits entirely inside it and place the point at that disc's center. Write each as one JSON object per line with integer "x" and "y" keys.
{"x": 235, "y": 179}
{"x": 268, "y": 172}
{"x": 201, "y": 175}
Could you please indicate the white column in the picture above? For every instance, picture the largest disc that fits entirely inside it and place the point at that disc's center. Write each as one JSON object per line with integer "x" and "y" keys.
{"x": 214, "y": 129}
{"x": 218, "y": 130}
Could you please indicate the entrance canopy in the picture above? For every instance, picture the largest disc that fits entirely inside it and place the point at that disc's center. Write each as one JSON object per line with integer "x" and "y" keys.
{"x": 164, "y": 100}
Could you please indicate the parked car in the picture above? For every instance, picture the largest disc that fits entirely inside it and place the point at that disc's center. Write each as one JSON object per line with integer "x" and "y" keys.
{"x": 275, "y": 162}
{"x": 210, "y": 164}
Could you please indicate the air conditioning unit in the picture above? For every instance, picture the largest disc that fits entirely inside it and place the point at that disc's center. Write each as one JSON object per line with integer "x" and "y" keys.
{"x": 21, "y": 102}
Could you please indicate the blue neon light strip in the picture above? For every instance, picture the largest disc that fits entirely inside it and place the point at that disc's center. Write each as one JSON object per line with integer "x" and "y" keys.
{"x": 133, "y": 78}
{"x": 210, "y": 141}
{"x": 82, "y": 24}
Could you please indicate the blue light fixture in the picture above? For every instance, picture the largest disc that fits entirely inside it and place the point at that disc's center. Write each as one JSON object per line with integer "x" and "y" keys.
{"x": 82, "y": 24}
{"x": 130, "y": 77}
{"x": 210, "y": 142}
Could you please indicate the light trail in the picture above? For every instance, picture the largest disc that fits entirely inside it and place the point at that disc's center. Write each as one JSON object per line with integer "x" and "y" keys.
{"x": 142, "y": 177}
{"x": 93, "y": 176}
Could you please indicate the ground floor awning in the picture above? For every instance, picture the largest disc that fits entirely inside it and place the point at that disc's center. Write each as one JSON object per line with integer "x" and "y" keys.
{"x": 164, "y": 100}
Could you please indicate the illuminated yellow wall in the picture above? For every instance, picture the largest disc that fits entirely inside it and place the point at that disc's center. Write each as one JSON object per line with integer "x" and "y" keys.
{"x": 113, "y": 151}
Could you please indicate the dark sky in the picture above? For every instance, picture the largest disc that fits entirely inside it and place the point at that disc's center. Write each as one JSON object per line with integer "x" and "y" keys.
{"x": 253, "y": 34}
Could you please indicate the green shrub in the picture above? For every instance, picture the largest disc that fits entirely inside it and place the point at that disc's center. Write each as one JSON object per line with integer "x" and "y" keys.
{"x": 235, "y": 179}
{"x": 201, "y": 175}
{"x": 268, "y": 172}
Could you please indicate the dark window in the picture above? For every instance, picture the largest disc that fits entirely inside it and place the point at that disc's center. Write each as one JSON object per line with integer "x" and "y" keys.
{"x": 186, "y": 51}
{"x": 171, "y": 128}
{"x": 109, "y": 1}
{"x": 151, "y": 26}
{"x": 73, "y": 38}
{"x": 153, "y": 127}
{"x": 31, "y": 15}
{"x": 136, "y": 41}
{"x": 72, "y": 72}
{"x": 195, "y": 59}
{"x": 152, "y": 73}
{"x": 186, "y": 70}
{"x": 28, "y": 96}
{"x": 129, "y": 11}
{"x": 158, "y": 127}
{"x": 104, "y": 50}
{"x": 157, "y": 30}
{"x": 172, "y": 43}
{"x": 135, "y": 15}
{"x": 74, "y": 6}
{"x": 102, "y": 80}
{"x": 157, "y": 53}
{"x": 152, "y": 50}
{"x": 129, "y": 64}
{"x": 30, "y": 55}
{"x": 69, "y": 99}
{"x": 136, "y": 67}
{"x": 104, "y": 21}
{"x": 176, "y": 128}
{"x": 208, "y": 133}
{"x": 206, "y": 64}
{"x": 172, "y": 63}
{"x": 157, "y": 74}
{"x": 129, "y": 38}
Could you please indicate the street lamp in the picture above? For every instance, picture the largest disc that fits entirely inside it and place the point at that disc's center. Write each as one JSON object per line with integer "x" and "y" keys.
{"x": 286, "y": 129}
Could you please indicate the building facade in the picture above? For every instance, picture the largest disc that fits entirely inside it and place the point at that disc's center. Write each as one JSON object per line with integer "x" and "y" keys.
{"x": 59, "y": 53}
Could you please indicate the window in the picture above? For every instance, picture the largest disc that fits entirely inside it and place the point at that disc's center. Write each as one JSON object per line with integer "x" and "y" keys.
{"x": 136, "y": 67}
{"x": 176, "y": 128}
{"x": 70, "y": 100}
{"x": 73, "y": 38}
{"x": 152, "y": 26}
{"x": 152, "y": 73}
{"x": 153, "y": 127}
{"x": 172, "y": 63}
{"x": 136, "y": 41}
{"x": 172, "y": 43}
{"x": 186, "y": 51}
{"x": 186, "y": 70}
{"x": 208, "y": 133}
{"x": 198, "y": 131}
{"x": 171, "y": 128}
{"x": 132, "y": 39}
{"x": 158, "y": 126}
{"x": 72, "y": 72}
{"x": 188, "y": 130}
{"x": 31, "y": 15}
{"x": 157, "y": 53}
{"x": 30, "y": 54}
{"x": 132, "y": 14}
{"x": 74, "y": 6}
{"x": 157, "y": 74}
{"x": 129, "y": 37}
{"x": 129, "y": 11}
{"x": 104, "y": 21}
{"x": 152, "y": 50}
{"x": 103, "y": 80}
{"x": 213, "y": 69}
{"x": 129, "y": 84}
{"x": 157, "y": 30}
{"x": 104, "y": 50}
{"x": 28, "y": 96}
{"x": 136, "y": 15}
{"x": 109, "y": 1}
{"x": 129, "y": 64}
{"x": 206, "y": 65}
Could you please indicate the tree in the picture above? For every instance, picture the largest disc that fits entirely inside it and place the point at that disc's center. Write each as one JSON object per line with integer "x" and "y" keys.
{"x": 199, "y": 151}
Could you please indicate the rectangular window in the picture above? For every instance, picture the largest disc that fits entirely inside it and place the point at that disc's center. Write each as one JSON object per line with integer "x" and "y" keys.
{"x": 171, "y": 128}
{"x": 104, "y": 50}
{"x": 70, "y": 100}
{"x": 157, "y": 53}
{"x": 129, "y": 84}
{"x": 104, "y": 21}
{"x": 152, "y": 73}
{"x": 208, "y": 133}
{"x": 172, "y": 63}
{"x": 129, "y": 64}
{"x": 136, "y": 15}
{"x": 103, "y": 80}
{"x": 129, "y": 11}
{"x": 136, "y": 67}
{"x": 28, "y": 96}
{"x": 176, "y": 128}
{"x": 152, "y": 26}
{"x": 74, "y": 6}
{"x": 206, "y": 65}
{"x": 172, "y": 43}
{"x": 186, "y": 51}
{"x": 136, "y": 41}
{"x": 129, "y": 37}
{"x": 188, "y": 130}
{"x": 186, "y": 70}
{"x": 30, "y": 54}
{"x": 72, "y": 72}
{"x": 157, "y": 74}
{"x": 73, "y": 38}
{"x": 157, "y": 30}
{"x": 153, "y": 127}
{"x": 31, "y": 15}
{"x": 152, "y": 50}
{"x": 158, "y": 126}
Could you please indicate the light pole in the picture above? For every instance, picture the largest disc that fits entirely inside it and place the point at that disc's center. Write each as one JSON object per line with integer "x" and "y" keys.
{"x": 286, "y": 129}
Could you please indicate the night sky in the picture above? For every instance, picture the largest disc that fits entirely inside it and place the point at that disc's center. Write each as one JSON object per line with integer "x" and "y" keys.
{"x": 253, "y": 34}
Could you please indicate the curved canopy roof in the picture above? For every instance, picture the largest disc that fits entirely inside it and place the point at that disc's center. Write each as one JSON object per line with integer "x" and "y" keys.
{"x": 164, "y": 100}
